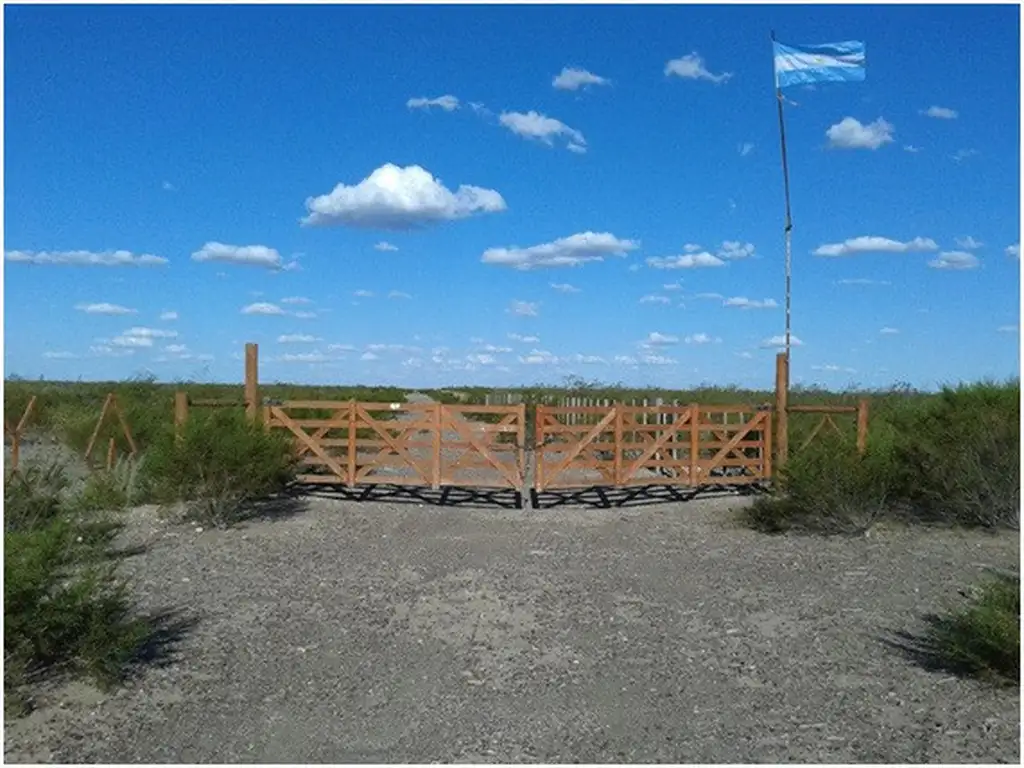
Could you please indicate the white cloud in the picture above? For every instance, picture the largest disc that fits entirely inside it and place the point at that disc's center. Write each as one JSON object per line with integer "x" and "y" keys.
{"x": 849, "y": 133}
{"x": 655, "y": 299}
{"x": 832, "y": 368}
{"x": 263, "y": 308}
{"x": 692, "y": 248}
{"x": 709, "y": 296}
{"x": 968, "y": 243}
{"x": 887, "y": 331}
{"x": 481, "y": 359}
{"x": 734, "y": 250}
{"x": 655, "y": 339}
{"x": 524, "y": 339}
{"x": 574, "y": 78}
{"x": 105, "y": 350}
{"x": 963, "y": 154}
{"x": 691, "y": 67}
{"x": 362, "y": 293}
{"x": 170, "y": 315}
{"x": 340, "y": 348}
{"x": 151, "y": 333}
{"x": 534, "y": 125}
{"x": 393, "y": 348}
{"x": 132, "y": 341}
{"x": 780, "y": 341}
{"x": 399, "y": 295}
{"x": 399, "y": 198}
{"x": 86, "y": 258}
{"x": 168, "y": 187}
{"x": 303, "y": 315}
{"x": 296, "y": 300}
{"x": 742, "y": 302}
{"x": 384, "y": 245}
{"x": 176, "y": 349}
{"x": 447, "y": 102}
{"x": 1013, "y": 250}
{"x": 701, "y": 338}
{"x": 873, "y": 244}
{"x": 745, "y": 355}
{"x": 954, "y": 260}
{"x": 586, "y": 359}
{"x": 104, "y": 308}
{"x": 911, "y": 148}
{"x": 491, "y": 348}
{"x": 248, "y": 255}
{"x": 369, "y": 356}
{"x": 297, "y": 338}
{"x": 1008, "y": 329}
{"x": 303, "y": 357}
{"x": 565, "y": 288}
{"x": 943, "y": 113}
{"x": 685, "y": 261}
{"x": 625, "y": 360}
{"x": 861, "y": 281}
{"x": 60, "y": 355}
{"x": 672, "y": 287}
{"x": 745, "y": 148}
{"x": 538, "y": 357}
{"x": 524, "y": 308}
{"x": 565, "y": 252}
{"x": 657, "y": 360}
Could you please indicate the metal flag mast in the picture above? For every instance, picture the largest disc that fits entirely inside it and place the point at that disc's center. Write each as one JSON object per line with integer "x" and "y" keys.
{"x": 789, "y": 217}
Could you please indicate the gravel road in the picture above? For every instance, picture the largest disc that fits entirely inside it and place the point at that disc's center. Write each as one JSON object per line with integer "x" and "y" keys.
{"x": 382, "y": 631}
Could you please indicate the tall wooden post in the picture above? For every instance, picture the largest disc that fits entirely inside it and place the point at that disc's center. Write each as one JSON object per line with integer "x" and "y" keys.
{"x": 252, "y": 379}
{"x": 862, "y": 425}
{"x": 180, "y": 413}
{"x": 781, "y": 409}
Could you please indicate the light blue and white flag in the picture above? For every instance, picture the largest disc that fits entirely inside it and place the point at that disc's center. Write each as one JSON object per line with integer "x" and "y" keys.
{"x": 825, "y": 63}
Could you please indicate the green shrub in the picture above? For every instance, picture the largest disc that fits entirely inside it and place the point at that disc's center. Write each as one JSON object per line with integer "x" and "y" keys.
{"x": 113, "y": 489}
{"x": 984, "y": 637}
{"x": 829, "y": 488}
{"x": 221, "y": 463}
{"x": 64, "y": 606}
{"x": 959, "y": 456}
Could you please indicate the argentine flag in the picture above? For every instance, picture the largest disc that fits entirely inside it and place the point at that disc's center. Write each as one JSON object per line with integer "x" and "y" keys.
{"x": 825, "y": 63}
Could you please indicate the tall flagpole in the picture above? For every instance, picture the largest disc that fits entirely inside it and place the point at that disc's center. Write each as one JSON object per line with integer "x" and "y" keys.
{"x": 789, "y": 218}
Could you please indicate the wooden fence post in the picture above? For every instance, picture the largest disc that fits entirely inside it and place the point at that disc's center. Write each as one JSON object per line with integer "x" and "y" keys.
{"x": 180, "y": 413}
{"x": 781, "y": 409}
{"x": 862, "y": 425}
{"x": 252, "y": 377}
{"x": 694, "y": 444}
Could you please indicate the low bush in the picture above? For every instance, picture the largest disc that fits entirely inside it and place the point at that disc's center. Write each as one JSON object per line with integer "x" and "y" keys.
{"x": 64, "y": 606}
{"x": 983, "y": 638}
{"x": 219, "y": 464}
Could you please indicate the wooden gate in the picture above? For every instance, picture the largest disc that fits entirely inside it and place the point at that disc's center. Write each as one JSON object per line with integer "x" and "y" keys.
{"x": 623, "y": 446}
{"x": 429, "y": 444}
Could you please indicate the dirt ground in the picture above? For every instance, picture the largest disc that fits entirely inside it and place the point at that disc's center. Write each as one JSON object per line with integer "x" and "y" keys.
{"x": 394, "y": 630}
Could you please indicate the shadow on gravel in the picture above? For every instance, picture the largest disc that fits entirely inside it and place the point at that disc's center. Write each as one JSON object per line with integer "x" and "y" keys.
{"x": 505, "y": 498}
{"x": 289, "y": 503}
{"x": 160, "y": 649}
{"x": 923, "y": 650}
{"x": 605, "y": 497}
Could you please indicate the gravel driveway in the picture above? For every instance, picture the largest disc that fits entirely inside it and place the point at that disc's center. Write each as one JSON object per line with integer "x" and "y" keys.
{"x": 382, "y": 631}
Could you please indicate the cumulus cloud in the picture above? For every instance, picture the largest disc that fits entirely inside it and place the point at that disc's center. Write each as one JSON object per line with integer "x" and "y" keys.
{"x": 657, "y": 360}
{"x": 296, "y": 300}
{"x": 534, "y": 125}
{"x": 685, "y": 261}
{"x": 170, "y": 315}
{"x": 850, "y": 133}
{"x": 943, "y": 113}
{"x": 565, "y": 252}
{"x": 873, "y": 244}
{"x": 780, "y": 341}
{"x": 384, "y": 245}
{"x": 538, "y": 357}
{"x": 861, "y": 281}
{"x": 524, "y": 308}
{"x": 248, "y": 255}
{"x": 362, "y": 293}
{"x": 1008, "y": 329}
{"x": 701, "y": 338}
{"x": 734, "y": 250}
{"x": 297, "y": 338}
{"x": 262, "y": 308}
{"x": 104, "y": 308}
{"x": 745, "y": 148}
{"x": 887, "y": 331}
{"x": 524, "y": 339}
{"x": 303, "y": 357}
{"x": 141, "y": 337}
{"x": 655, "y": 299}
{"x": 86, "y": 258}
{"x": 565, "y": 288}
{"x": 57, "y": 355}
{"x": 398, "y": 295}
{"x": 1013, "y": 250}
{"x": 672, "y": 287}
{"x": 968, "y": 243}
{"x": 691, "y": 67}
{"x": 397, "y": 198}
{"x": 954, "y": 260}
{"x": 963, "y": 154}
{"x": 574, "y": 78}
{"x": 911, "y": 148}
{"x": 105, "y": 350}
{"x": 447, "y": 102}
{"x": 655, "y": 339}
{"x": 742, "y": 302}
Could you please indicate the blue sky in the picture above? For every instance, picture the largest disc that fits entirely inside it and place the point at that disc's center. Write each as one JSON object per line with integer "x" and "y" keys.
{"x": 527, "y": 192}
